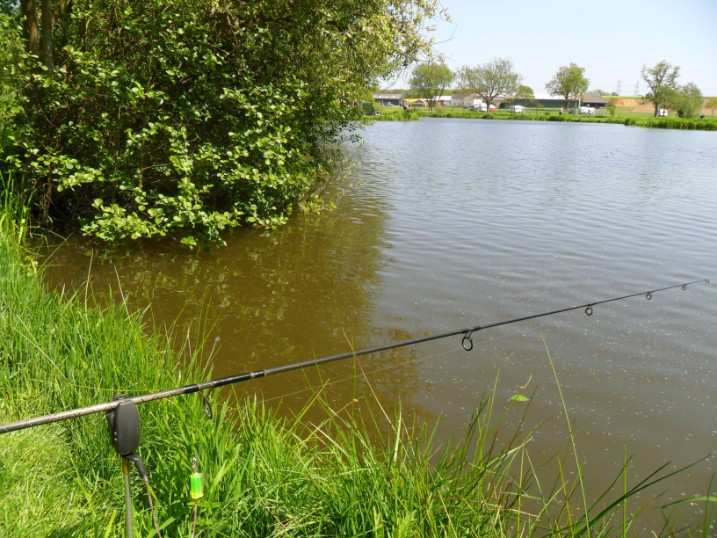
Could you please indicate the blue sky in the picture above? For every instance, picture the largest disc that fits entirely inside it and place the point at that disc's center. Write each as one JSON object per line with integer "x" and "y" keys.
{"x": 611, "y": 39}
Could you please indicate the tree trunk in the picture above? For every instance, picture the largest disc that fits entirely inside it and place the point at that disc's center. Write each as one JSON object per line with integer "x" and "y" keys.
{"x": 47, "y": 28}
{"x": 29, "y": 9}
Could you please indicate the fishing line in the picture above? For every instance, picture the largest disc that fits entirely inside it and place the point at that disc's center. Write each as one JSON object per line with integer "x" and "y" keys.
{"x": 466, "y": 343}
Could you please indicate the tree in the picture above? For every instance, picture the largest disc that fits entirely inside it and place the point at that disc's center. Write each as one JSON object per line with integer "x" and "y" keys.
{"x": 711, "y": 103}
{"x": 569, "y": 82}
{"x": 662, "y": 81}
{"x": 490, "y": 80}
{"x": 524, "y": 93}
{"x": 430, "y": 80}
{"x": 611, "y": 106}
{"x": 687, "y": 101}
{"x": 39, "y": 23}
{"x": 184, "y": 117}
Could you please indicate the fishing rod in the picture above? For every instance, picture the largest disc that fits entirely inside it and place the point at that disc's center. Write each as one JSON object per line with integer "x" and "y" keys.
{"x": 466, "y": 343}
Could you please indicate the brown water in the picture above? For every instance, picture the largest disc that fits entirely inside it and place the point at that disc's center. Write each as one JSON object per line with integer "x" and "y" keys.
{"x": 452, "y": 223}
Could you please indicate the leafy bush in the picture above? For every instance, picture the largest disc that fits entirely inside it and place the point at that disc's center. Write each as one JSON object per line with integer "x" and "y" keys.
{"x": 672, "y": 122}
{"x": 187, "y": 117}
{"x": 611, "y": 107}
{"x": 368, "y": 109}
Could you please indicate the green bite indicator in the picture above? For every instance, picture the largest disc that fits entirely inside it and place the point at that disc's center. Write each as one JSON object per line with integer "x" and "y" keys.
{"x": 196, "y": 490}
{"x": 195, "y": 482}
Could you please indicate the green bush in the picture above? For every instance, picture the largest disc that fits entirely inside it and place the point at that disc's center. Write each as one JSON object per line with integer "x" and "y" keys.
{"x": 185, "y": 117}
{"x": 368, "y": 109}
{"x": 136, "y": 151}
{"x": 674, "y": 122}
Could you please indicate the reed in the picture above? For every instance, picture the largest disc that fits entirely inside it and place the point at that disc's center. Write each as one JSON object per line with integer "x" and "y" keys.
{"x": 356, "y": 473}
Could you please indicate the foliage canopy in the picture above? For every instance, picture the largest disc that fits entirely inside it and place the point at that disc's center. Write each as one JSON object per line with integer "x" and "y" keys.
{"x": 430, "y": 80}
{"x": 490, "y": 80}
{"x": 569, "y": 82}
{"x": 711, "y": 104}
{"x": 662, "y": 81}
{"x": 687, "y": 100}
{"x": 186, "y": 117}
{"x": 525, "y": 93}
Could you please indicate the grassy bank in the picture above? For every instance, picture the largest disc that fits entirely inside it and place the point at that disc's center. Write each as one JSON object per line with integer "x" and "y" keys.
{"x": 263, "y": 476}
{"x": 545, "y": 114}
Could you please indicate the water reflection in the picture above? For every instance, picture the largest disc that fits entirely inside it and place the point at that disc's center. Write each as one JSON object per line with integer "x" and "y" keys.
{"x": 302, "y": 292}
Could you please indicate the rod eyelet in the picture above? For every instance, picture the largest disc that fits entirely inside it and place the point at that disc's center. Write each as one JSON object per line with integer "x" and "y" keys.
{"x": 467, "y": 341}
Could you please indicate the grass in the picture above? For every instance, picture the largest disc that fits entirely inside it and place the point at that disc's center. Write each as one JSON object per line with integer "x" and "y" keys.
{"x": 352, "y": 474}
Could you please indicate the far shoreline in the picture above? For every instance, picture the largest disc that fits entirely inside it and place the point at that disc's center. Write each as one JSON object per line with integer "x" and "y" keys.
{"x": 639, "y": 119}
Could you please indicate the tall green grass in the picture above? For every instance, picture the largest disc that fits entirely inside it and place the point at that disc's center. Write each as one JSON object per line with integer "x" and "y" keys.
{"x": 353, "y": 474}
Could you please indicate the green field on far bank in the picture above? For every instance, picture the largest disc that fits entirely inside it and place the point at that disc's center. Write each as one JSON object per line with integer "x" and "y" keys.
{"x": 620, "y": 116}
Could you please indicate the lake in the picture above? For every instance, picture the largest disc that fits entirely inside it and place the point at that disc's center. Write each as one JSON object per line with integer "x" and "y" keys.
{"x": 450, "y": 223}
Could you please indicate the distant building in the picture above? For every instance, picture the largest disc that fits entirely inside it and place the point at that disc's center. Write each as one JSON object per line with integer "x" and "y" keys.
{"x": 545, "y": 100}
{"x": 395, "y": 99}
{"x": 416, "y": 103}
{"x": 465, "y": 100}
{"x": 594, "y": 100}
